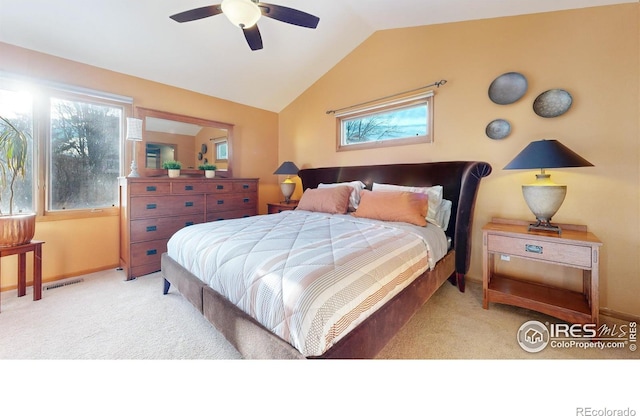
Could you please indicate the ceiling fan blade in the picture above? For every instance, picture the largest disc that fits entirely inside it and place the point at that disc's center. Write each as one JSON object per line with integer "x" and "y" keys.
{"x": 196, "y": 14}
{"x": 252, "y": 35}
{"x": 288, "y": 15}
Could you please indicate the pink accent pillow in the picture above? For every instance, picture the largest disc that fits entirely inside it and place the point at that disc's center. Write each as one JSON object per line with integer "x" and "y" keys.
{"x": 398, "y": 206}
{"x": 333, "y": 200}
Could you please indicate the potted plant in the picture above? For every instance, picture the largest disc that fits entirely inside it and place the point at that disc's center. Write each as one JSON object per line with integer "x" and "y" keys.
{"x": 15, "y": 228}
{"x": 209, "y": 170}
{"x": 173, "y": 167}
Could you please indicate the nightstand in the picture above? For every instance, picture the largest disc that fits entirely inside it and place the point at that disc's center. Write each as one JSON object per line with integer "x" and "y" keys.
{"x": 276, "y": 207}
{"x": 575, "y": 248}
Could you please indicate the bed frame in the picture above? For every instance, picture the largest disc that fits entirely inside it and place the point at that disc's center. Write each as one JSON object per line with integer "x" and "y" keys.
{"x": 460, "y": 181}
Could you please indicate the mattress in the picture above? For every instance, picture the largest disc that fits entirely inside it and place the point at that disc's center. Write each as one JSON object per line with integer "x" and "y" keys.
{"x": 307, "y": 277}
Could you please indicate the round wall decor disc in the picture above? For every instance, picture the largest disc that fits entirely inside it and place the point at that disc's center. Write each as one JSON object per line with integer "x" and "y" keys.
{"x": 552, "y": 103}
{"x": 498, "y": 129}
{"x": 508, "y": 88}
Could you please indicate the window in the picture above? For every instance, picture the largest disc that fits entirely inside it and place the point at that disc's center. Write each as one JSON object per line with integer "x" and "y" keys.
{"x": 221, "y": 149}
{"x": 403, "y": 121}
{"x": 77, "y": 146}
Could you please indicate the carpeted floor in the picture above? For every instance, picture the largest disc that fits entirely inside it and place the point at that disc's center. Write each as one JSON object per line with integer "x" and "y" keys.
{"x": 105, "y": 317}
{"x": 117, "y": 347}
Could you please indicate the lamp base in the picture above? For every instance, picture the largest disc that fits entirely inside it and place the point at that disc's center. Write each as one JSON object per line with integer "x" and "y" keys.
{"x": 543, "y": 225}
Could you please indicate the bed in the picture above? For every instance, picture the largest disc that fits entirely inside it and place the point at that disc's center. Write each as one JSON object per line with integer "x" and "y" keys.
{"x": 246, "y": 316}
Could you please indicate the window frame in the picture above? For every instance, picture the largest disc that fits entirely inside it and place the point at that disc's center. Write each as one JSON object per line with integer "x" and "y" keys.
{"x": 42, "y": 92}
{"x": 355, "y": 112}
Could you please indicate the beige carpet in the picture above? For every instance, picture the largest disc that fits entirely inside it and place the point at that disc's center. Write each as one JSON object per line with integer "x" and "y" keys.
{"x": 105, "y": 317}
{"x": 108, "y": 346}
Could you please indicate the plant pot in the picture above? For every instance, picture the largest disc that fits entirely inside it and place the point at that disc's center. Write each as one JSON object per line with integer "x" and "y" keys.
{"x": 173, "y": 173}
{"x": 210, "y": 173}
{"x": 17, "y": 229}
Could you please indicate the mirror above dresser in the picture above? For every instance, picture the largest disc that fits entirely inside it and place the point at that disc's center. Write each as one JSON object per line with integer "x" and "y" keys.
{"x": 192, "y": 141}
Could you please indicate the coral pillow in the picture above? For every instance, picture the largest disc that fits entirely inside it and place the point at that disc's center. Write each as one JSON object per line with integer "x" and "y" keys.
{"x": 402, "y": 206}
{"x": 333, "y": 200}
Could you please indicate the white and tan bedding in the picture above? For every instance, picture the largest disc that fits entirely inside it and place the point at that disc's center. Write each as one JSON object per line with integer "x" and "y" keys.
{"x": 308, "y": 277}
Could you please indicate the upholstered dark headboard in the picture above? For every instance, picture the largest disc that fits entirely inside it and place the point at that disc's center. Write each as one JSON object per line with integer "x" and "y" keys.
{"x": 460, "y": 181}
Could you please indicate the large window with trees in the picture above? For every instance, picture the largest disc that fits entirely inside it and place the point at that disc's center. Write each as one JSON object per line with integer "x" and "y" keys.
{"x": 76, "y": 152}
{"x": 406, "y": 120}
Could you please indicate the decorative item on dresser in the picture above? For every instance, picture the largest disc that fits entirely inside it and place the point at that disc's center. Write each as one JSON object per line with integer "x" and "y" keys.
{"x": 134, "y": 134}
{"x": 152, "y": 209}
{"x": 544, "y": 197}
{"x": 287, "y": 186}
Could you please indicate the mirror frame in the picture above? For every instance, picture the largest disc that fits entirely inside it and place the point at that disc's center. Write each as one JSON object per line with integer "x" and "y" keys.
{"x": 143, "y": 113}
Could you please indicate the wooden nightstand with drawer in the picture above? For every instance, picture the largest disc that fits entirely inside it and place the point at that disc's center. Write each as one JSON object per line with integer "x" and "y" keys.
{"x": 276, "y": 207}
{"x": 575, "y": 248}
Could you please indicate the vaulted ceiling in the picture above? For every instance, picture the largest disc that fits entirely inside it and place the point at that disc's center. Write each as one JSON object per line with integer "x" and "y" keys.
{"x": 212, "y": 57}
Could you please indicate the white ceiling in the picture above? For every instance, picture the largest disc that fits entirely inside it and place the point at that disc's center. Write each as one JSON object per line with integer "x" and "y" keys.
{"x": 211, "y": 56}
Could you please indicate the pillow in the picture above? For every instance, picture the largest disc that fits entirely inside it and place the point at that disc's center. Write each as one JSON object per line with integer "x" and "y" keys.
{"x": 444, "y": 214}
{"x": 434, "y": 193}
{"x": 410, "y": 207}
{"x": 354, "y": 199}
{"x": 334, "y": 200}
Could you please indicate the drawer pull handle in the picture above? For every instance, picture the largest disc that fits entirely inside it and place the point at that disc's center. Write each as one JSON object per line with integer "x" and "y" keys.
{"x": 152, "y": 228}
{"x": 219, "y": 219}
{"x": 245, "y": 200}
{"x": 220, "y": 201}
{"x": 188, "y": 223}
{"x": 151, "y": 206}
{"x": 188, "y": 187}
{"x": 188, "y": 204}
{"x": 151, "y": 188}
{"x": 220, "y": 187}
{"x": 152, "y": 252}
{"x": 532, "y": 248}
{"x": 245, "y": 186}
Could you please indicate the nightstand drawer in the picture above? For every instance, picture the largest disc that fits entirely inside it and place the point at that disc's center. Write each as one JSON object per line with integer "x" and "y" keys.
{"x": 568, "y": 254}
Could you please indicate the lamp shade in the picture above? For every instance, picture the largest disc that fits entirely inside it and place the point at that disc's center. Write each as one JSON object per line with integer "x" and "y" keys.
{"x": 287, "y": 168}
{"x": 242, "y": 13}
{"x": 543, "y": 154}
{"x": 134, "y": 129}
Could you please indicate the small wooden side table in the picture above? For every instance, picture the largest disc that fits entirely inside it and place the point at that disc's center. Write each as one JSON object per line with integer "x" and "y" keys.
{"x": 276, "y": 207}
{"x": 575, "y": 248}
{"x": 21, "y": 251}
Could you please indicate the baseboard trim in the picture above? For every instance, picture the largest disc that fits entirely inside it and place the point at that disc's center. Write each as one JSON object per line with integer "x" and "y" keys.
{"x": 619, "y": 315}
{"x": 61, "y": 277}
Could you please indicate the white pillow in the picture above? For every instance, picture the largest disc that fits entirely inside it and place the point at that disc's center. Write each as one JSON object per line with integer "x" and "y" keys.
{"x": 433, "y": 192}
{"x": 354, "y": 199}
{"x": 444, "y": 214}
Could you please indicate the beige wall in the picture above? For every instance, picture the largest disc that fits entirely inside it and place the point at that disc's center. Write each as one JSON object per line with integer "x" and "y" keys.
{"x": 593, "y": 53}
{"x": 74, "y": 247}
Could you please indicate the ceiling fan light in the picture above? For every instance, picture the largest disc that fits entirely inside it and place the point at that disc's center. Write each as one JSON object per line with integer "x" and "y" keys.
{"x": 242, "y": 13}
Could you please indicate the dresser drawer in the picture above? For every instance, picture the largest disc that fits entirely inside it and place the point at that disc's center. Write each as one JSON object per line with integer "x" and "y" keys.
{"x": 150, "y": 188}
{"x": 151, "y": 207}
{"x": 218, "y": 203}
{"x": 148, "y": 252}
{"x": 184, "y": 187}
{"x": 158, "y": 228}
{"x": 227, "y": 215}
{"x": 561, "y": 253}
{"x": 219, "y": 187}
{"x": 242, "y": 186}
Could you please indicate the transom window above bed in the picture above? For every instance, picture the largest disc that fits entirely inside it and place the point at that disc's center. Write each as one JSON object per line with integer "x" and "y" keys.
{"x": 406, "y": 120}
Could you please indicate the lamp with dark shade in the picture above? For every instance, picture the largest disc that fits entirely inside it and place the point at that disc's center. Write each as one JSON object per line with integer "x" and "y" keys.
{"x": 544, "y": 197}
{"x": 287, "y": 186}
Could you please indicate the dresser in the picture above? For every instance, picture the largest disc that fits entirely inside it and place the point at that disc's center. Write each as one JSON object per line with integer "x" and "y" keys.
{"x": 153, "y": 209}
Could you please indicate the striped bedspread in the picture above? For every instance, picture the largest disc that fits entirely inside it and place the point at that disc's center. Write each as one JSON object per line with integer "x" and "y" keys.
{"x": 307, "y": 277}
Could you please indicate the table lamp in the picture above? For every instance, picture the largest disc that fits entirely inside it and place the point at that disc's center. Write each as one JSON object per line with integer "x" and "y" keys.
{"x": 287, "y": 186}
{"x": 544, "y": 197}
{"x": 134, "y": 134}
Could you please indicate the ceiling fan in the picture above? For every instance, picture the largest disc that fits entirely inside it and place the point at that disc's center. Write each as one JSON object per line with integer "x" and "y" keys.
{"x": 246, "y": 13}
